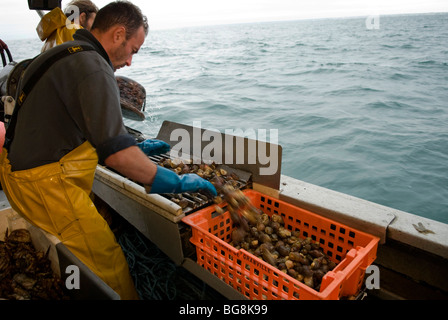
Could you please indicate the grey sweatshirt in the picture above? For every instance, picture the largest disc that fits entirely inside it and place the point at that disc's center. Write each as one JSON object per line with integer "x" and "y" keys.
{"x": 76, "y": 100}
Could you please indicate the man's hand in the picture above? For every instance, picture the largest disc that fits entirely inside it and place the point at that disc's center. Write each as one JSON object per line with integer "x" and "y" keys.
{"x": 167, "y": 181}
{"x": 152, "y": 147}
{"x": 134, "y": 164}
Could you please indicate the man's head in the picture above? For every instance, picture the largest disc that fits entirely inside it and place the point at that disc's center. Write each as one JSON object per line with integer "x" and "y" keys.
{"x": 87, "y": 12}
{"x": 121, "y": 28}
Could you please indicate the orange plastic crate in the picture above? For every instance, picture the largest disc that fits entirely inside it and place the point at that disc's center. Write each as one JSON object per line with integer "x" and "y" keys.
{"x": 351, "y": 249}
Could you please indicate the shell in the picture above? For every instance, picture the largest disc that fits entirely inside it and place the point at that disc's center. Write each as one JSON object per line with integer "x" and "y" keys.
{"x": 18, "y": 236}
{"x": 26, "y": 273}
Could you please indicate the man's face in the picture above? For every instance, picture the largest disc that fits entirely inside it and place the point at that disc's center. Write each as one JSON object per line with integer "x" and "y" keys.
{"x": 121, "y": 55}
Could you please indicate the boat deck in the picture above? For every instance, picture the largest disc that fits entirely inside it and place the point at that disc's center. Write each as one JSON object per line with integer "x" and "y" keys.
{"x": 413, "y": 264}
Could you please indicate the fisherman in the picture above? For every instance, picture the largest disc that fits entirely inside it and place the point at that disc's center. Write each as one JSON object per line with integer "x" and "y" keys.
{"x": 68, "y": 122}
{"x": 53, "y": 29}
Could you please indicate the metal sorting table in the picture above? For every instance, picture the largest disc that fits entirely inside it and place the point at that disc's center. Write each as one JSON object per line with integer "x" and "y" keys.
{"x": 159, "y": 219}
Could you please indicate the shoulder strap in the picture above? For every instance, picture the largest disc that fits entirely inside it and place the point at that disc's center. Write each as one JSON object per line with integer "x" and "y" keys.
{"x": 29, "y": 85}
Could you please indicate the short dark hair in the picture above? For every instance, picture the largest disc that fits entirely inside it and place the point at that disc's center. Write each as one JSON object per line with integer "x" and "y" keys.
{"x": 122, "y": 13}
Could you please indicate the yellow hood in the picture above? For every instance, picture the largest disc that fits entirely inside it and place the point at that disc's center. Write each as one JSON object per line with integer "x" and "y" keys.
{"x": 52, "y": 29}
{"x": 50, "y": 22}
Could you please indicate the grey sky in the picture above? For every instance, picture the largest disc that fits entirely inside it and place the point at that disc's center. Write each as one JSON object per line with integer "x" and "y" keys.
{"x": 17, "y": 21}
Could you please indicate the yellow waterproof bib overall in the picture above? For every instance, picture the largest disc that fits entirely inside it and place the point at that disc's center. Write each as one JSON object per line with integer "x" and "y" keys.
{"x": 55, "y": 197}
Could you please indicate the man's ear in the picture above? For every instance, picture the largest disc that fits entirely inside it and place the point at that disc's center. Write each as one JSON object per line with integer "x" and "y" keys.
{"x": 119, "y": 34}
{"x": 82, "y": 19}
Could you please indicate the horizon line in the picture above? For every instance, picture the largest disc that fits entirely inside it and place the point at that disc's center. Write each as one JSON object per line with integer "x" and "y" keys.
{"x": 267, "y": 21}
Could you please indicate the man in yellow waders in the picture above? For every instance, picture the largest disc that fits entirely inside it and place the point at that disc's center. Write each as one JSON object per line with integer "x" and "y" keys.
{"x": 67, "y": 119}
{"x": 53, "y": 29}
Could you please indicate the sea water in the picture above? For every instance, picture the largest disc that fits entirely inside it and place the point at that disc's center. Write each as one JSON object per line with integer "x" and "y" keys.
{"x": 360, "y": 108}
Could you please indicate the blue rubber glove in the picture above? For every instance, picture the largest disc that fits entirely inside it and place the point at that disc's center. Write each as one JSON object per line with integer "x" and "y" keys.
{"x": 152, "y": 147}
{"x": 167, "y": 181}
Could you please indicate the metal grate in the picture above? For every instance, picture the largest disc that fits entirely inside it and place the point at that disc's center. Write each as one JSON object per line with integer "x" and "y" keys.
{"x": 191, "y": 201}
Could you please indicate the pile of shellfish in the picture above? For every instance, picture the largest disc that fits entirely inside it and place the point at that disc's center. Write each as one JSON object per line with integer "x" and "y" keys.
{"x": 210, "y": 172}
{"x": 25, "y": 273}
{"x": 267, "y": 238}
{"x": 206, "y": 171}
